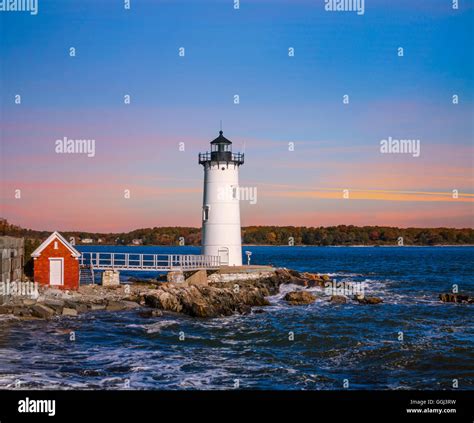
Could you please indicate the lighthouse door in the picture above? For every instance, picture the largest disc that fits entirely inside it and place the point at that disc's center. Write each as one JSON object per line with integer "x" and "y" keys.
{"x": 223, "y": 255}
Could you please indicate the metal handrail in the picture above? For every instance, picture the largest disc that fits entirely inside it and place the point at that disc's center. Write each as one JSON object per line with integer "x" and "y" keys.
{"x": 208, "y": 157}
{"x": 131, "y": 261}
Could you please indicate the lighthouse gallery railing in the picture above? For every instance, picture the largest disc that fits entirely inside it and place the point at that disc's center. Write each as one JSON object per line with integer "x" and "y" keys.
{"x": 133, "y": 261}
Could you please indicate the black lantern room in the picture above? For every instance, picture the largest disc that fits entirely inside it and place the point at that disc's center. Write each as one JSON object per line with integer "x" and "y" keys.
{"x": 221, "y": 152}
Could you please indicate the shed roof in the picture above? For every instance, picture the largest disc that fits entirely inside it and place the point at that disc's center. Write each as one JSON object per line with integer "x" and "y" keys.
{"x": 60, "y": 238}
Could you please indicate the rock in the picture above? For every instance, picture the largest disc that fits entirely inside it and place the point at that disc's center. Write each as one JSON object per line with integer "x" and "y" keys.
{"x": 338, "y": 299}
{"x": 198, "y": 277}
{"x": 6, "y": 309}
{"x": 373, "y": 300}
{"x": 42, "y": 311}
{"x": 163, "y": 300}
{"x": 221, "y": 299}
{"x": 28, "y": 302}
{"x": 311, "y": 276}
{"x": 56, "y": 304}
{"x": 115, "y": 306}
{"x": 134, "y": 298}
{"x": 94, "y": 307}
{"x": 299, "y": 281}
{"x": 150, "y": 313}
{"x": 456, "y": 298}
{"x": 294, "y": 273}
{"x": 313, "y": 280}
{"x": 325, "y": 278}
{"x": 21, "y": 311}
{"x": 299, "y": 298}
{"x": 69, "y": 311}
{"x": 79, "y": 307}
{"x": 130, "y": 304}
{"x": 368, "y": 300}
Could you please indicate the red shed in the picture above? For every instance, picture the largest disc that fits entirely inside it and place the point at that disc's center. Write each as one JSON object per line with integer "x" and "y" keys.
{"x": 56, "y": 263}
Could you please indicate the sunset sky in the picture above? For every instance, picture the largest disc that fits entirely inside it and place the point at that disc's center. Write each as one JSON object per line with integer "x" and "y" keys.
{"x": 282, "y": 100}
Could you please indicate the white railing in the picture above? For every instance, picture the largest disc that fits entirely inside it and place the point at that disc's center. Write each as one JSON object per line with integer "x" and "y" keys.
{"x": 133, "y": 261}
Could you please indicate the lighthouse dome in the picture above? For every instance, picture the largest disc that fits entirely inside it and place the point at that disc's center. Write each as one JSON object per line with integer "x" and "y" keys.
{"x": 221, "y": 140}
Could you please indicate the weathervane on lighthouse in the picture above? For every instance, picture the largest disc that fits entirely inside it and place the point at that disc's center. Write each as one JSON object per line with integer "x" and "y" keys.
{"x": 221, "y": 209}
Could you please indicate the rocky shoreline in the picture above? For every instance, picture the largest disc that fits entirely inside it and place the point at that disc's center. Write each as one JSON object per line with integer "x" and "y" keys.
{"x": 205, "y": 300}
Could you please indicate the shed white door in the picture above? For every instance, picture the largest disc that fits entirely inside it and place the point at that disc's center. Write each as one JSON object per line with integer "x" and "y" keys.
{"x": 56, "y": 271}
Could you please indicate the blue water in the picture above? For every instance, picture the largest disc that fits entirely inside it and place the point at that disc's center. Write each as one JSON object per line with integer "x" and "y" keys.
{"x": 333, "y": 344}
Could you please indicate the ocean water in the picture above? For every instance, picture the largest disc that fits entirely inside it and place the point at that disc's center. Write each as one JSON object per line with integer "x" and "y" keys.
{"x": 318, "y": 346}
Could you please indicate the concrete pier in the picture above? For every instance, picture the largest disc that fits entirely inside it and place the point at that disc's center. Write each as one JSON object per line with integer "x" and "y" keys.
{"x": 111, "y": 278}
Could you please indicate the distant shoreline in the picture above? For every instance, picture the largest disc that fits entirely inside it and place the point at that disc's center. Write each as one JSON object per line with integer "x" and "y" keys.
{"x": 282, "y": 245}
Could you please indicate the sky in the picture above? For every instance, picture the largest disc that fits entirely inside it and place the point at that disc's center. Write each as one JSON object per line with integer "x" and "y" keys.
{"x": 303, "y": 144}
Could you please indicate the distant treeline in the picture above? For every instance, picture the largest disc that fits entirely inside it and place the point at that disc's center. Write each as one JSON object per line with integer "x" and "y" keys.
{"x": 268, "y": 235}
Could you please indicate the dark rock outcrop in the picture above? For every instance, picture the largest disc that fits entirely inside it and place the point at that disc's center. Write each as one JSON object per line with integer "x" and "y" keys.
{"x": 456, "y": 298}
{"x": 69, "y": 311}
{"x": 148, "y": 313}
{"x": 368, "y": 300}
{"x": 203, "y": 301}
{"x": 213, "y": 299}
{"x": 42, "y": 311}
{"x": 299, "y": 298}
{"x": 338, "y": 299}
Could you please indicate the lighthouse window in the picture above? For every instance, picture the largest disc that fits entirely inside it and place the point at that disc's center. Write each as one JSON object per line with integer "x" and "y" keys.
{"x": 205, "y": 213}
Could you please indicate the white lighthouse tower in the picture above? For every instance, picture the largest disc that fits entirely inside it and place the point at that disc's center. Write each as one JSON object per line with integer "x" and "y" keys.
{"x": 220, "y": 209}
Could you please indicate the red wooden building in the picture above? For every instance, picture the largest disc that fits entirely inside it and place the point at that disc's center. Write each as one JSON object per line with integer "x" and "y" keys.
{"x": 56, "y": 263}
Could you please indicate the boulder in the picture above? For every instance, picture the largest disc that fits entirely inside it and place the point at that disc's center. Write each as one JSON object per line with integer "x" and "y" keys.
{"x": 95, "y": 307}
{"x": 368, "y": 300}
{"x": 294, "y": 273}
{"x": 313, "y": 280}
{"x": 198, "y": 277}
{"x": 42, "y": 311}
{"x": 150, "y": 313}
{"x": 338, "y": 299}
{"x": 21, "y": 311}
{"x": 115, "y": 305}
{"x": 56, "y": 304}
{"x": 163, "y": 300}
{"x": 299, "y": 297}
{"x": 79, "y": 307}
{"x": 130, "y": 304}
{"x": 69, "y": 311}
{"x": 6, "y": 309}
{"x": 456, "y": 298}
{"x": 205, "y": 301}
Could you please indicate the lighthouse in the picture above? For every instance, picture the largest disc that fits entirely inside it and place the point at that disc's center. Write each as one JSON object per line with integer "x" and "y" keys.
{"x": 221, "y": 209}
